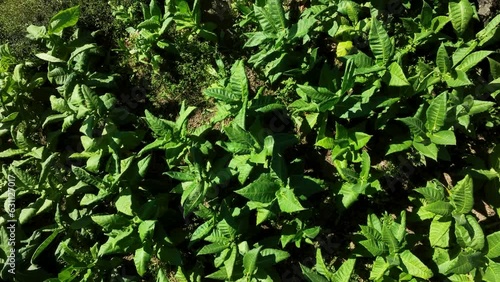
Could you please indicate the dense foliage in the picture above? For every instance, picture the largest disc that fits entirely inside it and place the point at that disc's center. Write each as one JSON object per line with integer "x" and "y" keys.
{"x": 332, "y": 140}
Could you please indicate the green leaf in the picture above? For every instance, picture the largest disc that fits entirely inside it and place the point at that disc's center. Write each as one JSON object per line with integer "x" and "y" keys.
{"x": 141, "y": 261}
{"x": 480, "y": 107}
{"x": 472, "y": 60}
{"x": 271, "y": 17}
{"x": 460, "y": 12}
{"x": 443, "y": 60}
{"x": 463, "y": 264}
{"x": 64, "y": 19}
{"x": 287, "y": 201}
{"x": 436, "y": 113}
{"x": 212, "y": 249}
{"x": 493, "y": 245}
{"x": 11, "y": 152}
{"x": 321, "y": 267}
{"x": 426, "y": 15}
{"x": 230, "y": 262}
{"x": 389, "y": 239}
{"x": 398, "y": 77}
{"x": 110, "y": 221}
{"x": 414, "y": 266}
{"x": 429, "y": 150}
{"x": 221, "y": 94}
{"x": 444, "y": 137}
{"x": 489, "y": 32}
{"x": 90, "y": 98}
{"x": 462, "y": 196}
{"x": 158, "y": 126}
{"x": 394, "y": 148}
{"x": 416, "y": 126}
{"x": 86, "y": 177}
{"x": 311, "y": 275}
{"x": 44, "y": 245}
{"x": 380, "y": 43}
{"x": 478, "y": 241}
{"x": 492, "y": 273}
{"x": 49, "y": 58}
{"x": 343, "y": 274}
{"x": 146, "y": 230}
{"x": 349, "y": 8}
{"x": 380, "y": 266}
{"x": 250, "y": 260}
{"x": 261, "y": 190}
{"x": 440, "y": 208}
{"x": 439, "y": 234}
{"x": 255, "y": 39}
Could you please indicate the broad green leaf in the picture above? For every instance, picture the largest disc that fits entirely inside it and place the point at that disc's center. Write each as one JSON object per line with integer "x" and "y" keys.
{"x": 462, "y": 196}
{"x": 238, "y": 82}
{"x": 349, "y": 8}
{"x": 141, "y": 261}
{"x": 480, "y": 106}
{"x": 444, "y": 137}
{"x": 398, "y": 77}
{"x": 436, "y": 113}
{"x": 489, "y": 31}
{"x": 492, "y": 273}
{"x": 41, "y": 247}
{"x": 212, "y": 249}
{"x": 272, "y": 256}
{"x": 494, "y": 67}
{"x": 463, "y": 264}
{"x": 472, "y": 60}
{"x": 158, "y": 126}
{"x": 255, "y": 39}
{"x": 426, "y": 15}
{"x": 477, "y": 234}
{"x": 416, "y": 126}
{"x": 312, "y": 276}
{"x": 321, "y": 267}
{"x": 49, "y": 58}
{"x": 271, "y": 17}
{"x": 124, "y": 204}
{"x": 287, "y": 201}
{"x": 86, "y": 177}
{"x": 64, "y": 19}
{"x": 493, "y": 245}
{"x": 414, "y": 266}
{"x": 463, "y": 52}
{"x": 440, "y": 208}
{"x": 429, "y": 150}
{"x": 250, "y": 260}
{"x": 146, "y": 230}
{"x": 261, "y": 190}
{"x": 389, "y": 239}
{"x": 394, "y": 148}
{"x": 121, "y": 243}
{"x": 380, "y": 43}
{"x": 110, "y": 221}
{"x": 90, "y": 98}
{"x": 11, "y": 152}
{"x": 443, "y": 60}
{"x": 202, "y": 230}
{"x": 230, "y": 262}
{"x": 439, "y": 233}
{"x": 343, "y": 274}
{"x": 460, "y": 12}
{"x": 380, "y": 266}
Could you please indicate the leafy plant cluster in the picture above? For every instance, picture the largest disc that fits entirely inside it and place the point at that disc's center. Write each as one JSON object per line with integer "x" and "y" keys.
{"x": 295, "y": 166}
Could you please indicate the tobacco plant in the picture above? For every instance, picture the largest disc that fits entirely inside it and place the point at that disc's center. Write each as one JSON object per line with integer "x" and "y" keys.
{"x": 343, "y": 141}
